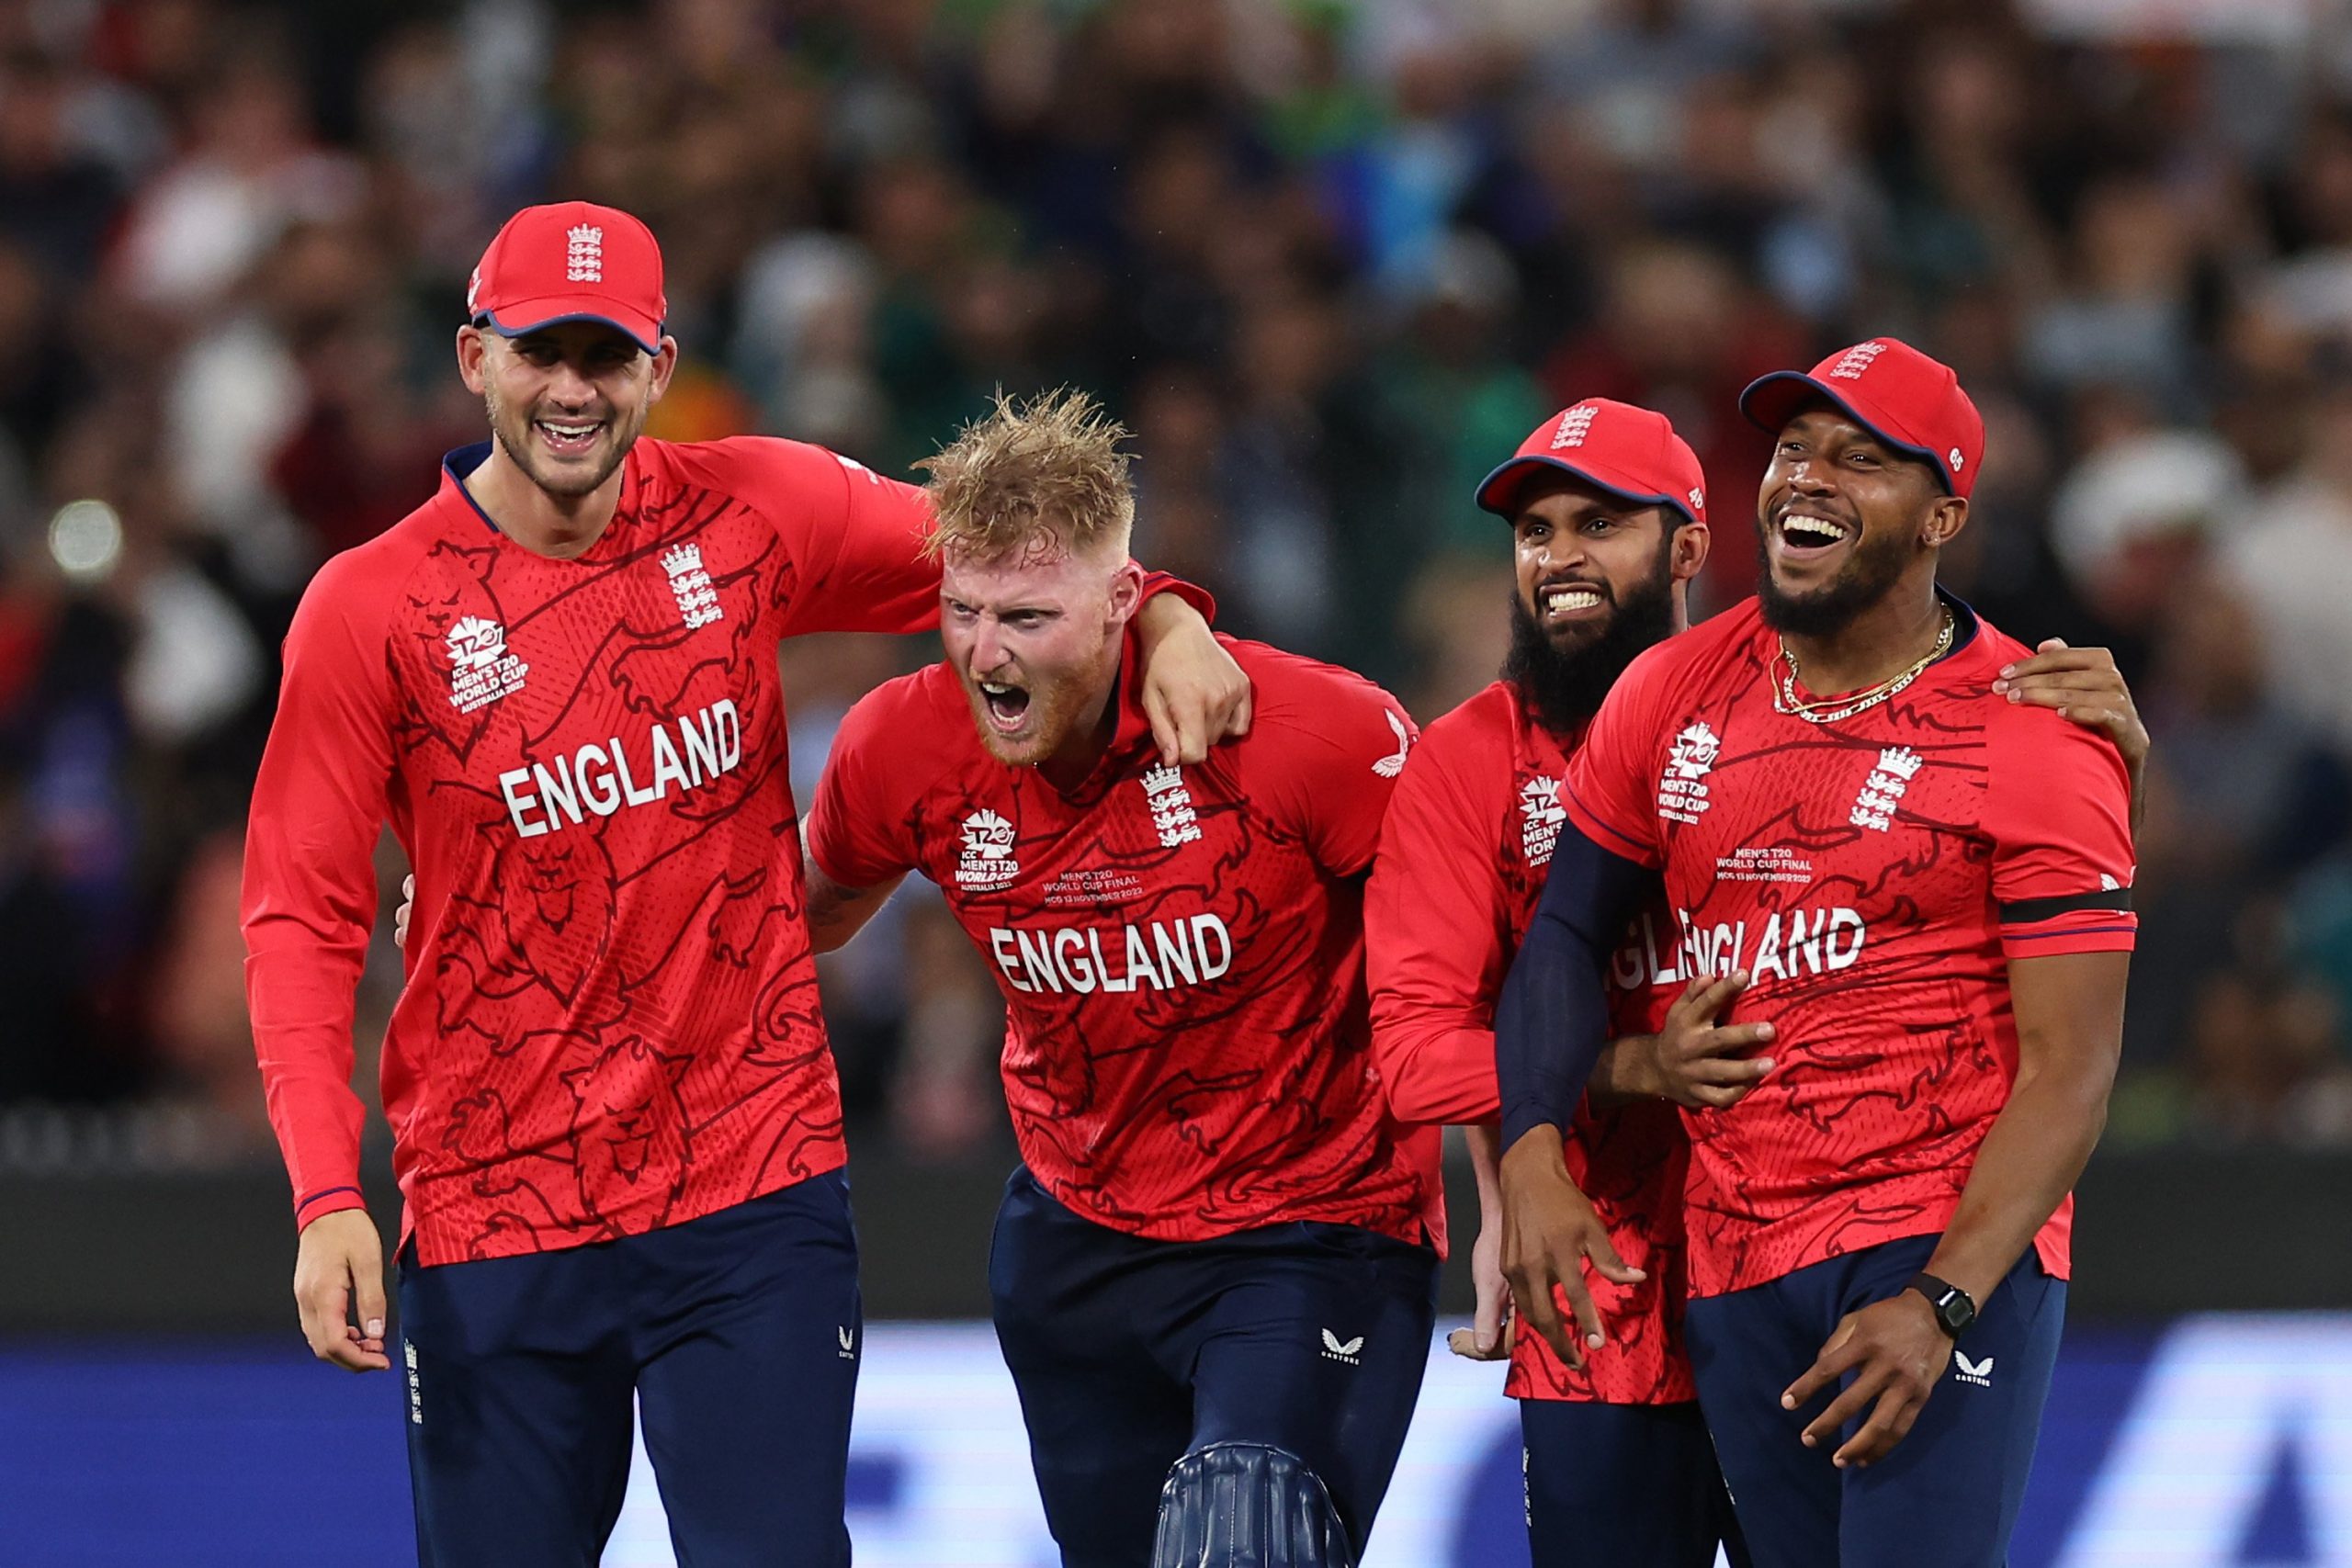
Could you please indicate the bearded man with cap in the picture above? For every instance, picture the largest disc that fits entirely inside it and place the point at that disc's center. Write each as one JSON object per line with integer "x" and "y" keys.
{"x": 1607, "y": 514}
{"x": 1923, "y": 883}
{"x": 615, "y": 1119}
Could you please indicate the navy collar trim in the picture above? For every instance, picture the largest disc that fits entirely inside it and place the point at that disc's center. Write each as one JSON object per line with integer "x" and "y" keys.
{"x": 1965, "y": 621}
{"x": 460, "y": 465}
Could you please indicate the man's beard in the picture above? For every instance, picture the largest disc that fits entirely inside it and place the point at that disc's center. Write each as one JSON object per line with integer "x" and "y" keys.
{"x": 1870, "y": 574}
{"x": 1564, "y": 687}
{"x": 514, "y": 433}
{"x": 1055, "y": 708}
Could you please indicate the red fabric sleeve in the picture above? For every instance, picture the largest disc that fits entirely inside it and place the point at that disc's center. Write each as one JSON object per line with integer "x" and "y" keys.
{"x": 1612, "y": 782}
{"x": 309, "y": 881}
{"x": 1155, "y": 583}
{"x": 2058, "y": 809}
{"x": 859, "y": 832}
{"x": 856, "y": 536}
{"x": 1322, "y": 756}
{"x": 1437, "y": 941}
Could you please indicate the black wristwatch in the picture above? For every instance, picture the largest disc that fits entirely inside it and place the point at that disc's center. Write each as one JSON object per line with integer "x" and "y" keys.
{"x": 1955, "y": 1309}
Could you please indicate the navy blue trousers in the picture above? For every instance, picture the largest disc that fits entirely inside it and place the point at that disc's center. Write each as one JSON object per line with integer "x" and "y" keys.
{"x": 1624, "y": 1486}
{"x": 737, "y": 1333}
{"x": 1129, "y": 1353}
{"x": 1948, "y": 1496}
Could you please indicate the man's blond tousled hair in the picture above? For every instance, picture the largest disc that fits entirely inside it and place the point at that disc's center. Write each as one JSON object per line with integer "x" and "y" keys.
{"x": 1031, "y": 479}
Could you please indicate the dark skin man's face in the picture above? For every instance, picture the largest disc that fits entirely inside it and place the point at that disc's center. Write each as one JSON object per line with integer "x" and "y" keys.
{"x": 1840, "y": 517}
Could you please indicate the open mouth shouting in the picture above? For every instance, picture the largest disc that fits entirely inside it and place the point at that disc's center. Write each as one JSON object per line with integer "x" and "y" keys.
{"x": 1007, "y": 705}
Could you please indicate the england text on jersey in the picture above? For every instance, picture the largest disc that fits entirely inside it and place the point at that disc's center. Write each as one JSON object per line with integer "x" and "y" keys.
{"x": 610, "y": 1021}
{"x": 1180, "y": 949}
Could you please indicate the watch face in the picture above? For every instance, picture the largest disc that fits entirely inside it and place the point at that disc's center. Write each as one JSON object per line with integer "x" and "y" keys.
{"x": 1957, "y": 1310}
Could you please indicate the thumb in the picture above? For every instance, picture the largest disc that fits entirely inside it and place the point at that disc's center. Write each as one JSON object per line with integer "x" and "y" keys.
{"x": 1486, "y": 1323}
{"x": 2050, "y": 645}
{"x": 368, "y": 1293}
{"x": 1603, "y": 1252}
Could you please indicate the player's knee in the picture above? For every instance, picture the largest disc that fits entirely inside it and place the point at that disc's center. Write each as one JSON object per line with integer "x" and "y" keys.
{"x": 1248, "y": 1506}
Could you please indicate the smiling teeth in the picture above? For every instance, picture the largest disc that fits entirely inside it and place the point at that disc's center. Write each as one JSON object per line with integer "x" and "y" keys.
{"x": 1571, "y": 598}
{"x": 1802, "y": 524}
{"x": 568, "y": 432}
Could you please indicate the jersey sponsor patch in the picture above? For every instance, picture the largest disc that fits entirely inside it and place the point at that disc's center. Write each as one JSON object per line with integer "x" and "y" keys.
{"x": 987, "y": 860}
{"x": 1682, "y": 787}
{"x": 481, "y": 670}
{"x": 1541, "y": 817}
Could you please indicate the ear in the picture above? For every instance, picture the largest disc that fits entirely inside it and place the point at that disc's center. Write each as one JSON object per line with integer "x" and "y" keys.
{"x": 665, "y": 364}
{"x": 473, "y": 348}
{"x": 1945, "y": 519}
{"x": 1126, "y": 593}
{"x": 1692, "y": 543}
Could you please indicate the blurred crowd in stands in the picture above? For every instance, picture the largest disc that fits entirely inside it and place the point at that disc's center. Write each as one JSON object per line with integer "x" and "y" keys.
{"x": 1330, "y": 261}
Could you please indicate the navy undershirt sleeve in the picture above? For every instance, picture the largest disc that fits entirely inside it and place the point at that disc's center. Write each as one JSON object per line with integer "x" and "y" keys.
{"x": 1554, "y": 1016}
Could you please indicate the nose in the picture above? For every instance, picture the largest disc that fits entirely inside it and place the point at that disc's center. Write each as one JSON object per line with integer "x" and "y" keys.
{"x": 567, "y": 388}
{"x": 1809, "y": 476}
{"x": 988, "y": 646}
{"x": 1563, "y": 551}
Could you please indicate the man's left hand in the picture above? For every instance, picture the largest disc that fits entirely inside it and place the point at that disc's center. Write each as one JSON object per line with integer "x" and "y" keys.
{"x": 1897, "y": 1351}
{"x": 1193, "y": 693}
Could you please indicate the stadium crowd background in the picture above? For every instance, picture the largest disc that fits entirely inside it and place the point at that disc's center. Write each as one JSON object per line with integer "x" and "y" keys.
{"x": 1330, "y": 260}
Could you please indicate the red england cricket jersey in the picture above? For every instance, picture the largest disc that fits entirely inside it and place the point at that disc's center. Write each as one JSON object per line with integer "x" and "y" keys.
{"x": 1875, "y": 878}
{"x": 1463, "y": 858}
{"x": 1187, "y": 1052}
{"x": 610, "y": 1022}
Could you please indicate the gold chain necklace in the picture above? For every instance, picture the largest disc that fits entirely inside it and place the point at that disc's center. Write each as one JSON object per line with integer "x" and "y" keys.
{"x": 1834, "y": 710}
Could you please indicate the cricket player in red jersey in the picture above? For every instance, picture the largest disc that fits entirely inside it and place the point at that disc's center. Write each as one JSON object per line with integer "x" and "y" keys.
{"x": 1214, "y": 1274}
{"x": 1608, "y": 522}
{"x": 616, "y": 1120}
{"x": 1926, "y": 885}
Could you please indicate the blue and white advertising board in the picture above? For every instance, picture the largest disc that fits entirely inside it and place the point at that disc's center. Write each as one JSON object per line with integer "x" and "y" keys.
{"x": 2215, "y": 1442}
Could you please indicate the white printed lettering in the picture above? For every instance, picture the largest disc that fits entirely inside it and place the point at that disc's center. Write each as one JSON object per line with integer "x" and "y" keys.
{"x": 666, "y": 765}
{"x": 1201, "y": 925}
{"x": 518, "y": 804}
{"x": 1081, "y": 973}
{"x": 1000, "y": 946}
